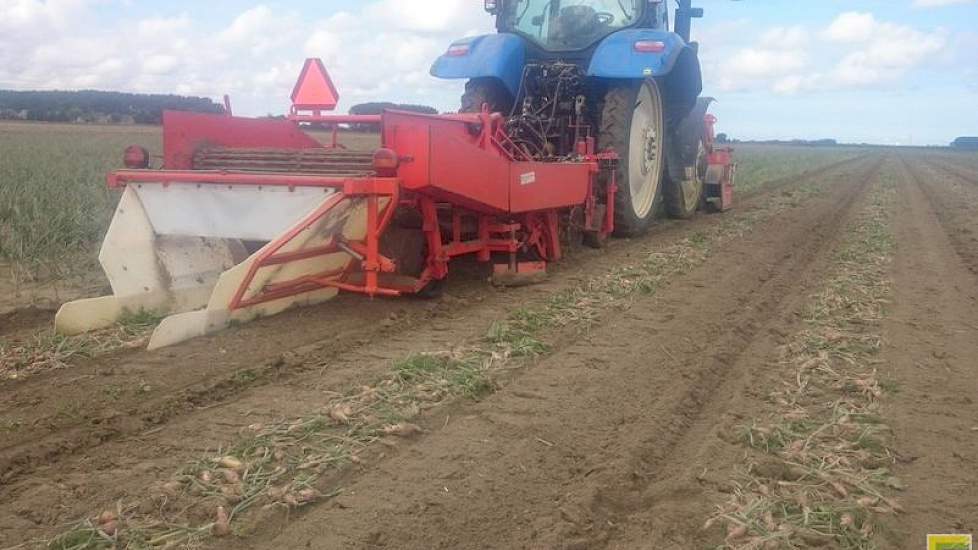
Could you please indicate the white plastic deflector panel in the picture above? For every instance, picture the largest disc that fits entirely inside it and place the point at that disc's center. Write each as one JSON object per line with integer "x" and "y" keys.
{"x": 246, "y": 212}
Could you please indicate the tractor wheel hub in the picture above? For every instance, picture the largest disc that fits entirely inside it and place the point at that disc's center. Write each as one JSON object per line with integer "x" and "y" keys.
{"x": 650, "y": 150}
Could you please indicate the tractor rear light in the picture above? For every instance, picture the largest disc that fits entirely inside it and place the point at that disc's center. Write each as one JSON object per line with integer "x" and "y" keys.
{"x": 136, "y": 158}
{"x": 457, "y": 50}
{"x": 386, "y": 162}
{"x": 650, "y": 46}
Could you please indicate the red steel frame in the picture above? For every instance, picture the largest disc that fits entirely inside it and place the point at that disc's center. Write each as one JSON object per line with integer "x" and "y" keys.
{"x": 723, "y": 157}
{"x": 493, "y": 236}
{"x": 535, "y": 221}
{"x": 366, "y": 253}
{"x": 496, "y": 230}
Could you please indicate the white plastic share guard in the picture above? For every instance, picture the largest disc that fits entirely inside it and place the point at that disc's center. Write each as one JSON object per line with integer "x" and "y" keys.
{"x": 246, "y": 212}
{"x": 178, "y": 249}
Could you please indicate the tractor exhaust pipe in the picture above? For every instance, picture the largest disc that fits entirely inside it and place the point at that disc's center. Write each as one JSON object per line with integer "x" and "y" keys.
{"x": 684, "y": 18}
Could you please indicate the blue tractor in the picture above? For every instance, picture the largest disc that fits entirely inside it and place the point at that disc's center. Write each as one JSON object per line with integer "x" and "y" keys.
{"x": 611, "y": 70}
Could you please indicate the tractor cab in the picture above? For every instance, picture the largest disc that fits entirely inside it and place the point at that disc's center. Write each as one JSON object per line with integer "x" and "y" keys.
{"x": 571, "y": 25}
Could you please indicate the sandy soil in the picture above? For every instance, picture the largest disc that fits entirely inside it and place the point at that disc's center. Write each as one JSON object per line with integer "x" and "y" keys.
{"x": 615, "y": 439}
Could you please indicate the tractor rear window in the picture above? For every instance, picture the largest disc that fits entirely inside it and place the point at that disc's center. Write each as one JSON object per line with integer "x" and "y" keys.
{"x": 561, "y": 25}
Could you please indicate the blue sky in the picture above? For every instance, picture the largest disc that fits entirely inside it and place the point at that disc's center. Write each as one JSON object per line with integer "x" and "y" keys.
{"x": 881, "y": 71}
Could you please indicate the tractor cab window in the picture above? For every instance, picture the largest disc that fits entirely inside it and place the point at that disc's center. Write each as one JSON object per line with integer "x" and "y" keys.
{"x": 564, "y": 25}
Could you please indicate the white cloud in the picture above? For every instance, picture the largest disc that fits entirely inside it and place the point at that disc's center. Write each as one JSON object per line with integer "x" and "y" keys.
{"x": 762, "y": 63}
{"x": 852, "y": 27}
{"x": 23, "y": 15}
{"x": 785, "y": 37}
{"x": 885, "y": 51}
{"x": 939, "y": 3}
{"x": 381, "y": 50}
{"x": 778, "y": 53}
{"x": 438, "y": 16}
{"x": 854, "y": 50}
{"x": 795, "y": 83}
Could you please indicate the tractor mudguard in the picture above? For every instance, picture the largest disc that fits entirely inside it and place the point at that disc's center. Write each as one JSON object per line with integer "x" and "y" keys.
{"x": 617, "y": 57}
{"x": 682, "y": 149}
{"x": 499, "y": 56}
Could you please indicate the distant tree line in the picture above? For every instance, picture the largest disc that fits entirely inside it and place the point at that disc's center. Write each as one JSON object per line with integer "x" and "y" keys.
{"x": 378, "y": 107}
{"x": 97, "y": 107}
{"x": 724, "y": 138}
{"x": 967, "y": 143}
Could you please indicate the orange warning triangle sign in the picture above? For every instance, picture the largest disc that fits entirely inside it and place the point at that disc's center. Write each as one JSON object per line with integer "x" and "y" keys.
{"x": 314, "y": 90}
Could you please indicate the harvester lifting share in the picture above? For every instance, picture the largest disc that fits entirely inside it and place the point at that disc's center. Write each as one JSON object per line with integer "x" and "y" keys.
{"x": 249, "y": 217}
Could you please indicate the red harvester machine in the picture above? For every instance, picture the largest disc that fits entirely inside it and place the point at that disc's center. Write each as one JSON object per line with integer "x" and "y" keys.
{"x": 248, "y": 217}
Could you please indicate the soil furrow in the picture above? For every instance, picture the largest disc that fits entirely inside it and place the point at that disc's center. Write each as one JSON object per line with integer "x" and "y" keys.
{"x": 954, "y": 170}
{"x": 930, "y": 332}
{"x": 73, "y": 484}
{"x": 123, "y": 395}
{"x": 953, "y": 206}
{"x": 669, "y": 509}
{"x": 566, "y": 454}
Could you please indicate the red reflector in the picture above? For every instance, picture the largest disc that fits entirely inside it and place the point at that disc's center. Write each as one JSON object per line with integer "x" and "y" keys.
{"x": 650, "y": 46}
{"x": 136, "y": 158}
{"x": 458, "y": 50}
{"x": 385, "y": 161}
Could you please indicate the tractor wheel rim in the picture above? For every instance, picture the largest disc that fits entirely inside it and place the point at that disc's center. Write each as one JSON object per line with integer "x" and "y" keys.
{"x": 645, "y": 151}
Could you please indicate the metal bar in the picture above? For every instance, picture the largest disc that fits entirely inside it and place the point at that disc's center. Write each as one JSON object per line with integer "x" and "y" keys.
{"x": 350, "y": 186}
{"x": 609, "y": 220}
{"x": 286, "y": 289}
{"x": 338, "y": 119}
{"x": 456, "y": 225}
{"x": 371, "y": 266}
{"x": 437, "y": 259}
{"x": 278, "y": 288}
{"x": 277, "y": 245}
{"x": 284, "y": 293}
{"x": 468, "y": 247}
{"x": 386, "y": 264}
{"x": 553, "y": 236}
{"x": 361, "y": 289}
{"x": 222, "y": 177}
{"x": 298, "y": 255}
{"x": 484, "y": 254}
{"x": 345, "y": 248}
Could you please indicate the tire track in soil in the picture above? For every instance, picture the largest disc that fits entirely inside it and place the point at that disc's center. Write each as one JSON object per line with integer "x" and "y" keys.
{"x": 669, "y": 509}
{"x": 80, "y": 416}
{"x": 602, "y": 431}
{"x": 953, "y": 205}
{"x": 32, "y": 317}
{"x": 74, "y": 473}
{"x": 930, "y": 332}
{"x": 951, "y": 168}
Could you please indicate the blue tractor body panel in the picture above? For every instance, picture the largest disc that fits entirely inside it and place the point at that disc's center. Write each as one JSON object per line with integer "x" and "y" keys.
{"x": 500, "y": 56}
{"x": 503, "y": 56}
{"x": 616, "y": 57}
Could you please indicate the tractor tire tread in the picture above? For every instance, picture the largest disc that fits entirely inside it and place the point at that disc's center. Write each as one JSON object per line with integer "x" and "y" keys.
{"x": 614, "y": 130}
{"x": 481, "y": 91}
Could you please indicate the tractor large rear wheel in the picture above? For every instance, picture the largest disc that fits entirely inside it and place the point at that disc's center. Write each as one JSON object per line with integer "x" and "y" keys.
{"x": 485, "y": 91}
{"x": 632, "y": 124}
